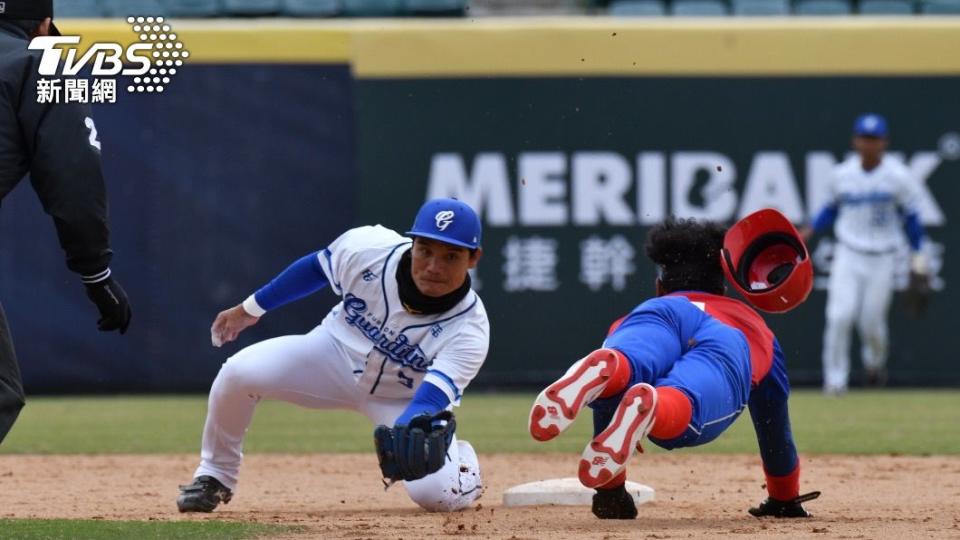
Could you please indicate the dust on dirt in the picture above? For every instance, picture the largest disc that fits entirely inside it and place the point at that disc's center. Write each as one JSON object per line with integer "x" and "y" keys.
{"x": 340, "y": 496}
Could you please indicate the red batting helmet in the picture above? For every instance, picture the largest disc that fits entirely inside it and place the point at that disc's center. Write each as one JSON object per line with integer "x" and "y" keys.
{"x": 765, "y": 259}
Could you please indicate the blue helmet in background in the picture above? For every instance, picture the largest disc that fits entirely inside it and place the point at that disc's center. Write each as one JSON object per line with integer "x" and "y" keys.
{"x": 449, "y": 221}
{"x": 870, "y": 125}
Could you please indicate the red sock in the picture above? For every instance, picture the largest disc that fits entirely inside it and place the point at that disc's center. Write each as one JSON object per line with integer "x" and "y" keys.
{"x": 616, "y": 481}
{"x": 784, "y": 488}
{"x": 621, "y": 376}
{"x": 672, "y": 415}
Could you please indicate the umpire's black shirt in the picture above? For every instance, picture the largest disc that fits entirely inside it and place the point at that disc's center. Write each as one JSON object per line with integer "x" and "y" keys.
{"x": 56, "y": 143}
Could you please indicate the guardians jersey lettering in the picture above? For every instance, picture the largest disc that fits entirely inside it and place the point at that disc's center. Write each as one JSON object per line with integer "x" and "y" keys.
{"x": 398, "y": 349}
{"x": 392, "y": 349}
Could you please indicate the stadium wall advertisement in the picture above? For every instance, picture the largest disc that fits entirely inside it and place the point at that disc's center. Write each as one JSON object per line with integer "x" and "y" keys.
{"x": 571, "y": 137}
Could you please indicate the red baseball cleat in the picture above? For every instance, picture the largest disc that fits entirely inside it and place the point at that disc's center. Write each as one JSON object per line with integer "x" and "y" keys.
{"x": 607, "y": 455}
{"x": 557, "y": 406}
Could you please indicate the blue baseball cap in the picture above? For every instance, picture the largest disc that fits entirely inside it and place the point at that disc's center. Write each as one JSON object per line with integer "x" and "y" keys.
{"x": 870, "y": 125}
{"x": 449, "y": 221}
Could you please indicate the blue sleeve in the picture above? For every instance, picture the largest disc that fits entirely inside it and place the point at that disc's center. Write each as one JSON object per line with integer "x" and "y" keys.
{"x": 914, "y": 230}
{"x": 825, "y": 218}
{"x": 300, "y": 279}
{"x": 429, "y": 399}
{"x": 771, "y": 419}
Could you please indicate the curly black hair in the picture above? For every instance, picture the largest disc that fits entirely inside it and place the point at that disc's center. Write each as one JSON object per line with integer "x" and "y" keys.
{"x": 688, "y": 254}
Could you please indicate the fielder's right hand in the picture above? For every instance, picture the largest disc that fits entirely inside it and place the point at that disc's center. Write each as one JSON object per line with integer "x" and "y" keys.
{"x": 229, "y": 323}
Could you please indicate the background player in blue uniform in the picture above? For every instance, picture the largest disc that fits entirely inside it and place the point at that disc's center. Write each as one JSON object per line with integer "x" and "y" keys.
{"x": 680, "y": 368}
{"x": 873, "y": 205}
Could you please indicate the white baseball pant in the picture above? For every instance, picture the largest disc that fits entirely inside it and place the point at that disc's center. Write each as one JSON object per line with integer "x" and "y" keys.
{"x": 313, "y": 371}
{"x": 860, "y": 289}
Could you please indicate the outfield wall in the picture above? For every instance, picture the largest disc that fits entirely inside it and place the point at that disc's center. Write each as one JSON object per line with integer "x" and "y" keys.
{"x": 570, "y": 135}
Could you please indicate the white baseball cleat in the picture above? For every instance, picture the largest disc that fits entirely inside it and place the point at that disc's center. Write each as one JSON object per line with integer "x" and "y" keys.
{"x": 608, "y": 453}
{"x": 557, "y": 406}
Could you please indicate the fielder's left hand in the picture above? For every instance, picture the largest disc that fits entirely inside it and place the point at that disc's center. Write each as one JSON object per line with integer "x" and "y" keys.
{"x": 410, "y": 452}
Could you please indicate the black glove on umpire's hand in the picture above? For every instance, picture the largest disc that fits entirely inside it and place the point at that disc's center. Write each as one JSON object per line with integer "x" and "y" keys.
{"x": 412, "y": 451}
{"x": 111, "y": 300}
{"x": 784, "y": 509}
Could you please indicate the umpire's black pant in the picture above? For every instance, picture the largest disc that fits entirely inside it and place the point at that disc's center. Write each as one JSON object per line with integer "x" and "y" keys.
{"x": 11, "y": 388}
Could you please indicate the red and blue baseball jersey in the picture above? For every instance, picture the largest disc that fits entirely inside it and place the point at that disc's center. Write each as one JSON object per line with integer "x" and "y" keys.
{"x": 721, "y": 354}
{"x": 725, "y": 310}
{"x": 742, "y": 317}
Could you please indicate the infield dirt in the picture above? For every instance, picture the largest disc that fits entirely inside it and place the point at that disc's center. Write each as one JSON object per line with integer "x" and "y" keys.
{"x": 340, "y": 496}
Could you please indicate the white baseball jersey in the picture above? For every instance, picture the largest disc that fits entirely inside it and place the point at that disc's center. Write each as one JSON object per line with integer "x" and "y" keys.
{"x": 870, "y": 203}
{"x": 391, "y": 349}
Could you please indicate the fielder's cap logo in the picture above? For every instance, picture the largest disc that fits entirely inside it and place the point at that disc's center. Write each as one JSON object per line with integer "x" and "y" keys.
{"x": 870, "y": 125}
{"x": 444, "y": 218}
{"x": 3, "y": 7}
{"x": 449, "y": 221}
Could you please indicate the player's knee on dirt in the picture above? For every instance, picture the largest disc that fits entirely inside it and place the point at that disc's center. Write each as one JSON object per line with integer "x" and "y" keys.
{"x": 452, "y": 488}
{"x": 441, "y": 493}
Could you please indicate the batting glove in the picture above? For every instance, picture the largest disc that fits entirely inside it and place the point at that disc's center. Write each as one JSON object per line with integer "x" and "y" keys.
{"x": 111, "y": 301}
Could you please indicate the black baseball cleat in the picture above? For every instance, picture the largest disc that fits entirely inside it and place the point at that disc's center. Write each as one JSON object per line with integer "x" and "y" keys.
{"x": 614, "y": 503}
{"x": 203, "y": 495}
{"x": 784, "y": 509}
{"x": 875, "y": 378}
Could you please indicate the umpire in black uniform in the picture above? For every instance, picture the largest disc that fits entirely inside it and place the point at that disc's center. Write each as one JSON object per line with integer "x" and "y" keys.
{"x": 56, "y": 144}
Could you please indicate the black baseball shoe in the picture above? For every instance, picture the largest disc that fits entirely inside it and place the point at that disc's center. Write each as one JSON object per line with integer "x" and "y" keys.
{"x": 875, "y": 378}
{"x": 784, "y": 509}
{"x": 203, "y": 495}
{"x": 614, "y": 503}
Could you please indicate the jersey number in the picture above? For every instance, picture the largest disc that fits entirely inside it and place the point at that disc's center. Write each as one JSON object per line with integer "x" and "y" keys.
{"x": 93, "y": 132}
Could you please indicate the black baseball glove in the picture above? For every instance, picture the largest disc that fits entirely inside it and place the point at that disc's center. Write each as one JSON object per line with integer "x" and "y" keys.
{"x": 412, "y": 451}
{"x": 784, "y": 509}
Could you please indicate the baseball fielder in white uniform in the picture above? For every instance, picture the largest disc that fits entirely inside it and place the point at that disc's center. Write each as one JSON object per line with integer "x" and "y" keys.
{"x": 873, "y": 202}
{"x": 407, "y": 338}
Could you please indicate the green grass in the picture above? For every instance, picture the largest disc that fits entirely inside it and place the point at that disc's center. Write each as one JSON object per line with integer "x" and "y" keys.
{"x": 913, "y": 422}
{"x": 69, "y": 529}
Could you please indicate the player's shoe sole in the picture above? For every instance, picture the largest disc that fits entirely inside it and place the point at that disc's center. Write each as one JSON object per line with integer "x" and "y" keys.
{"x": 608, "y": 453}
{"x": 558, "y": 405}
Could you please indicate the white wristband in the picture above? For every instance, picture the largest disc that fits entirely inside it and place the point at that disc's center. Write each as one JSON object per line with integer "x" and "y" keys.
{"x": 918, "y": 263}
{"x": 252, "y": 308}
